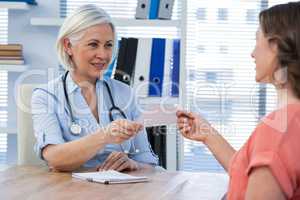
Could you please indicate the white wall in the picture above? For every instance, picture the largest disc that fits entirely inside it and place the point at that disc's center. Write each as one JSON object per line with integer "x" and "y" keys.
{"x": 38, "y": 50}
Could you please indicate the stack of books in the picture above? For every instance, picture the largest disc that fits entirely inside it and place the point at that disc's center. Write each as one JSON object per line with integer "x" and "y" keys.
{"x": 11, "y": 54}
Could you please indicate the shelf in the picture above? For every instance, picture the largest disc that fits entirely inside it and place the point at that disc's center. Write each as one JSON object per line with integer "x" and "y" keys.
{"x": 13, "y": 68}
{"x": 3, "y": 167}
{"x": 142, "y": 23}
{"x": 158, "y": 100}
{"x": 46, "y": 21}
{"x": 14, "y": 5}
{"x": 42, "y": 21}
{"x": 8, "y": 130}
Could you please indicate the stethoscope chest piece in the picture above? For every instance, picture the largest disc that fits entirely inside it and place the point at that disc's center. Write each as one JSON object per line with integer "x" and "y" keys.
{"x": 75, "y": 128}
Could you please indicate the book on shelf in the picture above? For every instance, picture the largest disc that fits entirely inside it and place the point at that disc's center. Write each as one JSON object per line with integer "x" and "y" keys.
{"x": 10, "y": 53}
{"x": 11, "y": 58}
{"x": 11, "y": 47}
{"x": 11, "y": 62}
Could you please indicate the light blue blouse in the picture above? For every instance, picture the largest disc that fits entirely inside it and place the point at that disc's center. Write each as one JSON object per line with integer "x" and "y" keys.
{"x": 51, "y": 118}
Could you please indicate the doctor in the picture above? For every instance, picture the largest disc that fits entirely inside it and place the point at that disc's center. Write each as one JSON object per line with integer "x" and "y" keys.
{"x": 80, "y": 120}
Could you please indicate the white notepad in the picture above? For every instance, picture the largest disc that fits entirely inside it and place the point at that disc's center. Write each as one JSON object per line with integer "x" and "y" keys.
{"x": 109, "y": 177}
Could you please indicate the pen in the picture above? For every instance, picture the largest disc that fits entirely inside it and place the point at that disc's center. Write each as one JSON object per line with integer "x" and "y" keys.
{"x": 106, "y": 182}
{"x": 90, "y": 179}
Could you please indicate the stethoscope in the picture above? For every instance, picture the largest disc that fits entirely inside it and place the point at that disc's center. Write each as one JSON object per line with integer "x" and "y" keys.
{"x": 75, "y": 127}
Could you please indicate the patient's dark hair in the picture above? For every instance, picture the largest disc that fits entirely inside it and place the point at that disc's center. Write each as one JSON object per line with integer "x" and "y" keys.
{"x": 281, "y": 24}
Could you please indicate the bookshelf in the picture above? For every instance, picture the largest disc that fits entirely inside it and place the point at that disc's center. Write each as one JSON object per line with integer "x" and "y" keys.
{"x": 14, "y": 68}
{"x": 14, "y": 5}
{"x": 174, "y": 142}
{"x": 52, "y": 21}
{"x": 157, "y": 100}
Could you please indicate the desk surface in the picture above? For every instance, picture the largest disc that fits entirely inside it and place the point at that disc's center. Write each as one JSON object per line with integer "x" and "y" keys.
{"x": 34, "y": 182}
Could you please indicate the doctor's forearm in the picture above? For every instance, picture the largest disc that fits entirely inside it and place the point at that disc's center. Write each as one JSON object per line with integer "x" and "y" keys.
{"x": 71, "y": 155}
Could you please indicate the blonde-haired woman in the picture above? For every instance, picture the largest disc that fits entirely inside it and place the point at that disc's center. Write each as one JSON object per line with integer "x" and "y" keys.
{"x": 80, "y": 119}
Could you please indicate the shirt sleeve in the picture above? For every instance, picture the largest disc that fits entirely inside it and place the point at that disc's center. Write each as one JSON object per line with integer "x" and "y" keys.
{"x": 277, "y": 151}
{"x": 45, "y": 122}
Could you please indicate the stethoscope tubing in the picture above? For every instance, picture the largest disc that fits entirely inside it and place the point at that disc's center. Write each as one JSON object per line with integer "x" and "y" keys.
{"x": 75, "y": 128}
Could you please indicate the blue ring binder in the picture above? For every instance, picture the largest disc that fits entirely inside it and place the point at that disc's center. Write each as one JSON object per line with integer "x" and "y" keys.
{"x": 157, "y": 67}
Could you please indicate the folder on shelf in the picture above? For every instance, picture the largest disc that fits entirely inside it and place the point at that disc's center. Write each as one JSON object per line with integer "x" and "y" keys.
{"x": 157, "y": 67}
{"x": 32, "y": 2}
{"x": 121, "y": 60}
{"x": 109, "y": 177}
{"x": 175, "y": 68}
{"x": 108, "y": 73}
{"x": 142, "y": 9}
{"x": 126, "y": 60}
{"x": 167, "y": 83}
{"x": 132, "y": 45}
{"x": 142, "y": 67}
{"x": 165, "y": 9}
{"x": 154, "y": 9}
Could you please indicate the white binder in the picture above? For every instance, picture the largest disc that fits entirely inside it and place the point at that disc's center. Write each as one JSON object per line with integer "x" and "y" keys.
{"x": 142, "y": 9}
{"x": 142, "y": 67}
{"x": 167, "y": 68}
{"x": 165, "y": 9}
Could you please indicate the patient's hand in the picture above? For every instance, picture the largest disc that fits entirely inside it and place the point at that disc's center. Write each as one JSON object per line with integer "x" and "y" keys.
{"x": 193, "y": 126}
{"x": 118, "y": 161}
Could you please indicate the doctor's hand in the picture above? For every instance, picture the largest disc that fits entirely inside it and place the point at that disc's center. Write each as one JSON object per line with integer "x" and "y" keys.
{"x": 193, "y": 126}
{"x": 118, "y": 161}
{"x": 120, "y": 130}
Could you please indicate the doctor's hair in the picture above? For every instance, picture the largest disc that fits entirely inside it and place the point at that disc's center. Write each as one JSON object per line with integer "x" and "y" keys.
{"x": 74, "y": 27}
{"x": 280, "y": 24}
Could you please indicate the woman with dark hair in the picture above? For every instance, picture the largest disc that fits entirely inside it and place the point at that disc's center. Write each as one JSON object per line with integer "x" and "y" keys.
{"x": 267, "y": 166}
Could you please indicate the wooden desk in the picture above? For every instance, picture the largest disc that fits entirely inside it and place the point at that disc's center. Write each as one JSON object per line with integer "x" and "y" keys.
{"x": 36, "y": 183}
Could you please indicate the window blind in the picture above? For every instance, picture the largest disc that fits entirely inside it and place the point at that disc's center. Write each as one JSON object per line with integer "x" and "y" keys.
{"x": 220, "y": 80}
{"x": 3, "y": 88}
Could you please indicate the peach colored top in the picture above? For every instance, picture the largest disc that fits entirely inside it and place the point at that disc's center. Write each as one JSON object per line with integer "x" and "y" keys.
{"x": 275, "y": 143}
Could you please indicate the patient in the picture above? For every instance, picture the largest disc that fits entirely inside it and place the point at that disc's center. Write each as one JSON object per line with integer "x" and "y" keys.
{"x": 267, "y": 166}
